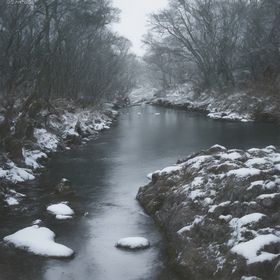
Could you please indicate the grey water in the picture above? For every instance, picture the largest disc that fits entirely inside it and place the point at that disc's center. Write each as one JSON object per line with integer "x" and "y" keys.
{"x": 106, "y": 174}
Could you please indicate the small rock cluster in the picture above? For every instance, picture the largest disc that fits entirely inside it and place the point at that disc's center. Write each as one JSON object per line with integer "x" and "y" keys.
{"x": 220, "y": 211}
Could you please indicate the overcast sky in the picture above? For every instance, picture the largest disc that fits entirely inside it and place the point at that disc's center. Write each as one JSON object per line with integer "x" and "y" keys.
{"x": 134, "y": 15}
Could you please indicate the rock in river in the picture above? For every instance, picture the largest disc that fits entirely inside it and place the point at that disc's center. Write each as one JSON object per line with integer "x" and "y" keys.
{"x": 133, "y": 243}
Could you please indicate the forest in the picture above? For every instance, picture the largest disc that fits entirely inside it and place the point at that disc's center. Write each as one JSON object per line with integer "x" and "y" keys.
{"x": 222, "y": 45}
{"x": 55, "y": 48}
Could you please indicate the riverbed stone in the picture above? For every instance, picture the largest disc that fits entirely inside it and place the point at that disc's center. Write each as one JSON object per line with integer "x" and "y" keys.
{"x": 64, "y": 187}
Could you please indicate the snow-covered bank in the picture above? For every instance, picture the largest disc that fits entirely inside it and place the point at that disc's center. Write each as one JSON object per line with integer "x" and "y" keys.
{"x": 133, "y": 243}
{"x": 220, "y": 211}
{"x": 241, "y": 106}
{"x": 53, "y": 129}
{"x": 141, "y": 95}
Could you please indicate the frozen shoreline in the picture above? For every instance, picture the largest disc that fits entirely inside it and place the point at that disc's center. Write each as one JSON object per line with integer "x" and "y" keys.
{"x": 68, "y": 126}
{"x": 220, "y": 208}
{"x": 238, "y": 106}
{"x": 61, "y": 130}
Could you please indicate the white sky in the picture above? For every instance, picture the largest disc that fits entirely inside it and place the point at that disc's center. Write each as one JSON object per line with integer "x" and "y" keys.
{"x": 133, "y": 19}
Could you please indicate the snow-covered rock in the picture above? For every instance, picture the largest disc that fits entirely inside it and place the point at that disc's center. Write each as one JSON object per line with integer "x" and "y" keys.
{"x": 31, "y": 157}
{"x": 12, "y": 198}
{"x": 220, "y": 208}
{"x": 16, "y": 174}
{"x": 11, "y": 201}
{"x": 39, "y": 241}
{"x": 252, "y": 250}
{"x": 47, "y": 141}
{"x": 250, "y": 278}
{"x": 133, "y": 243}
{"x": 61, "y": 210}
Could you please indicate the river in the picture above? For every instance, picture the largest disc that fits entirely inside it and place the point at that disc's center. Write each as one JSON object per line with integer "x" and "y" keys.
{"x": 106, "y": 174}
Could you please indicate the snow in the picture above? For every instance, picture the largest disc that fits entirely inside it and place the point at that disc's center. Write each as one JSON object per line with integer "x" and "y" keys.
{"x": 256, "y": 161}
{"x": 150, "y": 175}
{"x": 212, "y": 208}
{"x": 63, "y": 217}
{"x": 250, "y": 218}
{"x": 225, "y": 115}
{"x": 225, "y": 218}
{"x": 197, "y": 220}
{"x": 208, "y": 201}
{"x": 100, "y": 126}
{"x": 196, "y": 162}
{"x": 197, "y": 182}
{"x": 211, "y": 179}
{"x": 250, "y": 278}
{"x": 133, "y": 243}
{"x": 37, "y": 222}
{"x": 231, "y": 156}
{"x": 141, "y": 94}
{"x": 69, "y": 123}
{"x": 39, "y": 241}
{"x": 61, "y": 211}
{"x": 46, "y": 140}
{"x": 251, "y": 250}
{"x": 31, "y": 157}
{"x": 270, "y": 195}
{"x": 244, "y": 172}
{"x": 16, "y": 174}
{"x": 196, "y": 194}
{"x": 255, "y": 184}
{"x": 12, "y": 197}
{"x": 222, "y": 204}
{"x": 169, "y": 169}
{"x": 238, "y": 225}
{"x": 219, "y": 147}
{"x": 17, "y": 194}
{"x": 11, "y": 201}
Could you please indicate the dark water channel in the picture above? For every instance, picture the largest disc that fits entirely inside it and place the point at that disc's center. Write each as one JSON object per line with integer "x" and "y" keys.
{"x": 106, "y": 174}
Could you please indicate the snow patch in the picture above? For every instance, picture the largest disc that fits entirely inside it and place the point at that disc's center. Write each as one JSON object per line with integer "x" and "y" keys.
{"x": 133, "y": 243}
{"x": 39, "y": 241}
{"x": 11, "y": 201}
{"x": 197, "y": 220}
{"x": 61, "y": 211}
{"x": 16, "y": 174}
{"x": 46, "y": 140}
{"x": 244, "y": 172}
{"x": 31, "y": 158}
{"x": 251, "y": 250}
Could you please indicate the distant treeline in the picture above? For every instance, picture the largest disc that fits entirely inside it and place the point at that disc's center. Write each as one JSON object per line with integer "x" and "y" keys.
{"x": 216, "y": 44}
{"x": 62, "y": 48}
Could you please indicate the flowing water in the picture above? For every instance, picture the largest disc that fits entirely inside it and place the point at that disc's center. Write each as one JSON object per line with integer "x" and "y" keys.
{"x": 106, "y": 174}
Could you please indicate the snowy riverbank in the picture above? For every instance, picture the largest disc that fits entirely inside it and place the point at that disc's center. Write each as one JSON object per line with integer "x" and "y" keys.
{"x": 220, "y": 211}
{"x": 53, "y": 130}
{"x": 241, "y": 106}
